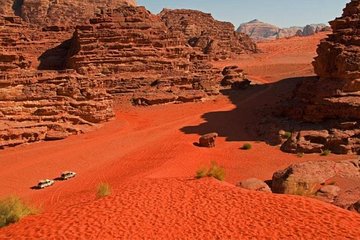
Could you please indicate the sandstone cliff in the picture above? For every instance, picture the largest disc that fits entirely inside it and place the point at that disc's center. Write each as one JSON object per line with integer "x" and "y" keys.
{"x": 130, "y": 51}
{"x": 214, "y": 38}
{"x": 65, "y": 13}
{"x": 42, "y": 105}
{"x": 335, "y": 97}
{"x": 58, "y": 79}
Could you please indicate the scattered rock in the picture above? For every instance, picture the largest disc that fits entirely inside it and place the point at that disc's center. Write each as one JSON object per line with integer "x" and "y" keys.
{"x": 254, "y": 184}
{"x": 208, "y": 140}
{"x": 355, "y": 207}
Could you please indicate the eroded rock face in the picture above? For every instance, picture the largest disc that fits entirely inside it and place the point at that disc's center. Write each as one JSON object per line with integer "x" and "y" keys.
{"x": 214, "y": 38}
{"x": 130, "y": 51}
{"x": 65, "y": 13}
{"x": 235, "y": 78}
{"x": 334, "y": 182}
{"x": 42, "y": 105}
{"x": 335, "y": 96}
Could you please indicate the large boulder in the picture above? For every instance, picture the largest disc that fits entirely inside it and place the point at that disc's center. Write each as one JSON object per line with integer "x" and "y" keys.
{"x": 208, "y": 140}
{"x": 335, "y": 182}
{"x": 255, "y": 185}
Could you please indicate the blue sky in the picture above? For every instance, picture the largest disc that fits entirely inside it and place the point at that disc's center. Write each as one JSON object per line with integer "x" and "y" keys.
{"x": 283, "y": 13}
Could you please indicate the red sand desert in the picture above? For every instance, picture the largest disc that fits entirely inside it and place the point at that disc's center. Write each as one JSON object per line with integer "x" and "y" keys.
{"x": 148, "y": 157}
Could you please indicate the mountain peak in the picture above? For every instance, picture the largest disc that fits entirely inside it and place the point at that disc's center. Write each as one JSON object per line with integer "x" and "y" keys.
{"x": 255, "y": 21}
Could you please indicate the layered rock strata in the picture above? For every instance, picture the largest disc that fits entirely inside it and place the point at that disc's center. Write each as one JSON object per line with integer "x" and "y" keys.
{"x": 130, "y": 51}
{"x": 42, "y": 105}
{"x": 62, "y": 13}
{"x": 334, "y": 98}
{"x": 214, "y": 38}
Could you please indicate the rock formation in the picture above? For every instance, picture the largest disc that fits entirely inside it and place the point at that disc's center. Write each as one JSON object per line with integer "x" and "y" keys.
{"x": 62, "y": 61}
{"x": 214, "y": 38}
{"x": 255, "y": 185}
{"x": 42, "y": 105}
{"x": 208, "y": 140}
{"x": 130, "y": 51}
{"x": 64, "y": 13}
{"x": 333, "y": 100}
{"x": 235, "y": 78}
{"x": 333, "y": 182}
{"x": 260, "y": 31}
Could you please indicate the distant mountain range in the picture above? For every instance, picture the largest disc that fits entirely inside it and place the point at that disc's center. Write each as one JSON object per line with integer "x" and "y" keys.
{"x": 260, "y": 31}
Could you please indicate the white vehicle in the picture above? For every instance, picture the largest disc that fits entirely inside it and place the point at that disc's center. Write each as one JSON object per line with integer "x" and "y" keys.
{"x": 66, "y": 175}
{"x": 45, "y": 183}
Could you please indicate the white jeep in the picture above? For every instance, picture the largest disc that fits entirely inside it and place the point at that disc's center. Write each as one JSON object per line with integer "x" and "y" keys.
{"x": 45, "y": 183}
{"x": 66, "y": 175}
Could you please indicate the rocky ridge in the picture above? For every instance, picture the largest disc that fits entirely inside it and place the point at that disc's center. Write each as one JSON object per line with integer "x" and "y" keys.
{"x": 42, "y": 105}
{"x": 333, "y": 100}
{"x": 129, "y": 51}
{"x": 260, "y": 31}
{"x": 117, "y": 50}
{"x": 60, "y": 13}
{"x": 217, "y": 39}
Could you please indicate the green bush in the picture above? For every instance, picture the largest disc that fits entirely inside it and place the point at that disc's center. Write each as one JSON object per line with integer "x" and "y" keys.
{"x": 287, "y": 135}
{"x": 246, "y": 146}
{"x": 103, "y": 190}
{"x": 12, "y": 209}
{"x": 214, "y": 171}
{"x": 325, "y": 153}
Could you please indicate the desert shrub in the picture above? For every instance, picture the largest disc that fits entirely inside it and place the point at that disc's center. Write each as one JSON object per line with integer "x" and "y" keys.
{"x": 246, "y": 146}
{"x": 201, "y": 173}
{"x": 300, "y": 154}
{"x": 214, "y": 171}
{"x": 286, "y": 135}
{"x": 325, "y": 153}
{"x": 103, "y": 190}
{"x": 12, "y": 209}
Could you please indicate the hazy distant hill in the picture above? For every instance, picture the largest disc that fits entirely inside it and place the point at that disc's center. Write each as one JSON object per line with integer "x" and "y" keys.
{"x": 259, "y": 31}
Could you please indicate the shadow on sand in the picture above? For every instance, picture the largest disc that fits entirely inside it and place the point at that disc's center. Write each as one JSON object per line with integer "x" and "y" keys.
{"x": 254, "y": 116}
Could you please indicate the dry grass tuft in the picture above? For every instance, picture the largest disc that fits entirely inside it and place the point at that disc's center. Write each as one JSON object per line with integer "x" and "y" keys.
{"x": 12, "y": 209}
{"x": 103, "y": 190}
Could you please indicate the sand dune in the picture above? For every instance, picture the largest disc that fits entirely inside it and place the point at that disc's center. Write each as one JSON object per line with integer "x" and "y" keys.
{"x": 148, "y": 157}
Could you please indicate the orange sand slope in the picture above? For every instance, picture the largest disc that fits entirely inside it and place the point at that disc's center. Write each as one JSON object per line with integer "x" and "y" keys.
{"x": 189, "y": 209}
{"x": 148, "y": 157}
